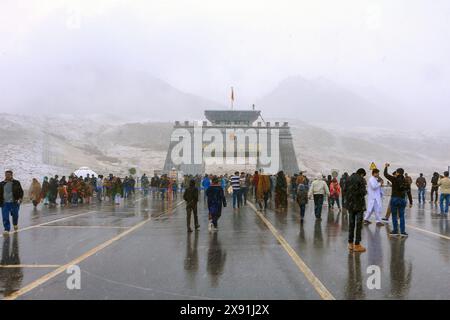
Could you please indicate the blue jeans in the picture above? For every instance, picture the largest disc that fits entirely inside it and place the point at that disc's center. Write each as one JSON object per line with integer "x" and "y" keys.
{"x": 318, "y": 203}
{"x": 7, "y": 209}
{"x": 215, "y": 218}
{"x": 334, "y": 200}
{"x": 421, "y": 195}
{"x": 244, "y": 192}
{"x": 444, "y": 197}
{"x": 74, "y": 198}
{"x": 302, "y": 210}
{"x": 398, "y": 206}
{"x": 236, "y": 195}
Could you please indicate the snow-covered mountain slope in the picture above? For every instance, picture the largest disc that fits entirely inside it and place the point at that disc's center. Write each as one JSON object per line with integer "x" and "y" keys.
{"x": 35, "y": 146}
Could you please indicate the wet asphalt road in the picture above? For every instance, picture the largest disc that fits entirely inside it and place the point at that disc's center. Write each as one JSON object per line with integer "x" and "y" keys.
{"x": 141, "y": 250}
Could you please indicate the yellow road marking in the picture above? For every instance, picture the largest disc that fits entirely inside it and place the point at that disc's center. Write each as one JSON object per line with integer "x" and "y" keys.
{"x": 427, "y": 231}
{"x": 315, "y": 282}
{"x": 29, "y": 265}
{"x": 75, "y": 261}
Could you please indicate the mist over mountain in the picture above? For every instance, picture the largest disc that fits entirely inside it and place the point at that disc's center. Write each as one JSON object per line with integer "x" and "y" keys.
{"x": 114, "y": 91}
{"x": 136, "y": 95}
{"x": 323, "y": 101}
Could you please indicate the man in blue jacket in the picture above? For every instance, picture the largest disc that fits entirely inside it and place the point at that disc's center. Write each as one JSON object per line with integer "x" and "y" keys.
{"x": 11, "y": 194}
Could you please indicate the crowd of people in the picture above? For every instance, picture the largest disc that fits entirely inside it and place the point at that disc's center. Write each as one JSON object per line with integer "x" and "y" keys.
{"x": 360, "y": 198}
{"x": 349, "y": 193}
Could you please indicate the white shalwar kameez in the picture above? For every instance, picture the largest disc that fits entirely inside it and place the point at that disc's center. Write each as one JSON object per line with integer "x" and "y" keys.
{"x": 374, "y": 199}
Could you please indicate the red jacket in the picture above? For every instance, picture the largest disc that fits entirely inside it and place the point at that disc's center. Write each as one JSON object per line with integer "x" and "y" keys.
{"x": 335, "y": 189}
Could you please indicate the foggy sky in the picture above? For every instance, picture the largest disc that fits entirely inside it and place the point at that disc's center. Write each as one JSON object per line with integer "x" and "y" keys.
{"x": 400, "y": 49}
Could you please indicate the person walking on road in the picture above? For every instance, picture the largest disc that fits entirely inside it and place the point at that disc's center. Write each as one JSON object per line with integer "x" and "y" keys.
{"x": 11, "y": 195}
{"x": 293, "y": 187}
{"x": 235, "y": 184}
{"x": 421, "y": 184}
{"x": 191, "y": 198}
{"x": 35, "y": 192}
{"x": 335, "y": 193}
{"x": 241, "y": 190}
{"x": 255, "y": 181}
{"x": 375, "y": 198}
{"x": 444, "y": 183}
{"x": 356, "y": 205}
{"x": 263, "y": 191}
{"x": 398, "y": 201}
{"x": 164, "y": 186}
{"x": 44, "y": 191}
{"x": 408, "y": 181}
{"x": 302, "y": 200}
{"x": 319, "y": 190}
{"x": 246, "y": 188}
{"x": 434, "y": 187}
{"x": 281, "y": 191}
{"x": 216, "y": 199}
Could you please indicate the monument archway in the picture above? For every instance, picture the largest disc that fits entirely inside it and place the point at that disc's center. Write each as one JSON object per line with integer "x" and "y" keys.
{"x": 228, "y": 141}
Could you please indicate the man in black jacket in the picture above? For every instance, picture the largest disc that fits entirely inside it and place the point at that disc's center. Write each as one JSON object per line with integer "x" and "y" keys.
{"x": 400, "y": 189}
{"x": 356, "y": 205}
{"x": 435, "y": 187}
{"x": 191, "y": 198}
{"x": 11, "y": 194}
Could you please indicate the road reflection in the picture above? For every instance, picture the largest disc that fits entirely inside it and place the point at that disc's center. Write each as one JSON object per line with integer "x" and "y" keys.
{"x": 191, "y": 258}
{"x": 10, "y": 278}
{"x": 318, "y": 238}
{"x": 216, "y": 259}
{"x": 354, "y": 289}
{"x": 400, "y": 270}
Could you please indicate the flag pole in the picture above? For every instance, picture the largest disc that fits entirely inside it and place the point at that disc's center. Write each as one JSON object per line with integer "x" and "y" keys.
{"x": 232, "y": 98}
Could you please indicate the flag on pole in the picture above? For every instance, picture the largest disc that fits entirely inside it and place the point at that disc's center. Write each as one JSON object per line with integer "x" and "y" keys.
{"x": 232, "y": 98}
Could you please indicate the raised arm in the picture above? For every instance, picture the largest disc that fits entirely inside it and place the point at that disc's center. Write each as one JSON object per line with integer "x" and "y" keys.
{"x": 387, "y": 175}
